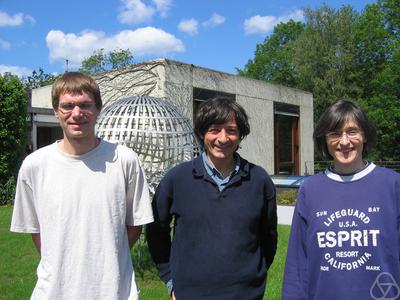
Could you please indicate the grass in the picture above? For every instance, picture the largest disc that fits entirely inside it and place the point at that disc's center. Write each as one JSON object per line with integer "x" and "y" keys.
{"x": 19, "y": 260}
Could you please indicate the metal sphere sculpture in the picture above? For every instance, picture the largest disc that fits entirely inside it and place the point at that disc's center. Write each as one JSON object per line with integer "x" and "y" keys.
{"x": 154, "y": 128}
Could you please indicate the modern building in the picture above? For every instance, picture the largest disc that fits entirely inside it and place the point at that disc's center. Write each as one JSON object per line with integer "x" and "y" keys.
{"x": 281, "y": 118}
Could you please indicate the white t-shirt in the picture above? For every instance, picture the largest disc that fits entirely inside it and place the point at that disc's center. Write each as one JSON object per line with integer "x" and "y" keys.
{"x": 81, "y": 206}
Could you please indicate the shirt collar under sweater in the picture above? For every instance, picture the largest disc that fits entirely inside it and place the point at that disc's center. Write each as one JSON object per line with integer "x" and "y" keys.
{"x": 219, "y": 179}
{"x": 352, "y": 177}
{"x": 199, "y": 169}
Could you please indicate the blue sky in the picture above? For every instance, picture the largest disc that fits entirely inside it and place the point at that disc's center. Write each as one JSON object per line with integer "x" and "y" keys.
{"x": 216, "y": 34}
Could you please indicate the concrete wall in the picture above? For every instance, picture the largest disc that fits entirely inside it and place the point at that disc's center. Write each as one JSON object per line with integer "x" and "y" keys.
{"x": 172, "y": 80}
{"x": 257, "y": 97}
{"x": 136, "y": 80}
{"x": 41, "y": 97}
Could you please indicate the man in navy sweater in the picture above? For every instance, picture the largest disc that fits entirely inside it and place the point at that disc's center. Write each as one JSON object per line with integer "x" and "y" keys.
{"x": 224, "y": 213}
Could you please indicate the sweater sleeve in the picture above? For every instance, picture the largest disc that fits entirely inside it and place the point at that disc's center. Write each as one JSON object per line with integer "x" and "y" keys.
{"x": 295, "y": 276}
{"x": 269, "y": 234}
{"x": 159, "y": 232}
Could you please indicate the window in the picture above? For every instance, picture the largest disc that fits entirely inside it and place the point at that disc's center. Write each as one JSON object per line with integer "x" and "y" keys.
{"x": 287, "y": 145}
{"x": 200, "y": 95}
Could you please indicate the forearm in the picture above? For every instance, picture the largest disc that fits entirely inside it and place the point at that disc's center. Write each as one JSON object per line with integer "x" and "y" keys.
{"x": 36, "y": 241}
{"x": 133, "y": 234}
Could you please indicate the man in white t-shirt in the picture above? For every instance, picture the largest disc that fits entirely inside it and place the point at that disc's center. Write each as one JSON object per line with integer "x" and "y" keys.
{"x": 84, "y": 200}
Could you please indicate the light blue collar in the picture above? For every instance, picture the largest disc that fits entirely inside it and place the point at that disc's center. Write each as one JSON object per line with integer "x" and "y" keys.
{"x": 220, "y": 180}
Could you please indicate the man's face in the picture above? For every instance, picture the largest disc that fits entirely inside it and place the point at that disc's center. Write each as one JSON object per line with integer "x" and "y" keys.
{"x": 221, "y": 141}
{"x": 77, "y": 114}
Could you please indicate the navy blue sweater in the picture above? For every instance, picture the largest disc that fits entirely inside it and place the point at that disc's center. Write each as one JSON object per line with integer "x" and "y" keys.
{"x": 223, "y": 242}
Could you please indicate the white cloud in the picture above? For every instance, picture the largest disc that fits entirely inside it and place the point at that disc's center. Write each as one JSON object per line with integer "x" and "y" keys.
{"x": 4, "y": 44}
{"x": 265, "y": 24}
{"x": 137, "y": 11}
{"x": 7, "y": 20}
{"x": 30, "y": 19}
{"x": 15, "y": 20}
{"x": 215, "y": 20}
{"x": 19, "y": 71}
{"x": 163, "y": 6}
{"x": 297, "y": 15}
{"x": 142, "y": 41}
{"x": 259, "y": 24}
{"x": 189, "y": 26}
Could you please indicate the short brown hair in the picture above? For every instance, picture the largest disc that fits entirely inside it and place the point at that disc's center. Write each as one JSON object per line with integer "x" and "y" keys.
{"x": 75, "y": 83}
{"x": 335, "y": 118}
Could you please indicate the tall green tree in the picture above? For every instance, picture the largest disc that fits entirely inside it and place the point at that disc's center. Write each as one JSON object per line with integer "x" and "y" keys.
{"x": 272, "y": 59}
{"x": 13, "y": 114}
{"x": 372, "y": 41}
{"x": 100, "y": 62}
{"x": 344, "y": 54}
{"x": 38, "y": 79}
{"x": 391, "y": 11}
{"x": 323, "y": 56}
{"x": 381, "y": 76}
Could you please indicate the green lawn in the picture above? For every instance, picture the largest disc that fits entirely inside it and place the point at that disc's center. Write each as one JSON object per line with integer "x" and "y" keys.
{"x": 19, "y": 260}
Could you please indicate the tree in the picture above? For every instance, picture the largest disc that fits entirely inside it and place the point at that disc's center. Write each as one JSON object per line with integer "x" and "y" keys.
{"x": 323, "y": 56}
{"x": 38, "y": 79}
{"x": 13, "y": 113}
{"x": 372, "y": 42}
{"x": 383, "y": 106}
{"x": 272, "y": 59}
{"x": 100, "y": 62}
{"x": 391, "y": 12}
{"x": 120, "y": 58}
{"x": 378, "y": 72}
{"x": 343, "y": 54}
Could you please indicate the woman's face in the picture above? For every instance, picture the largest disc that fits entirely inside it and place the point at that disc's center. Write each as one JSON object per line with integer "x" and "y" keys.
{"x": 346, "y": 147}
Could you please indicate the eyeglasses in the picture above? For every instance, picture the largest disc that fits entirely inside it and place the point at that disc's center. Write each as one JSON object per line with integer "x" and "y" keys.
{"x": 351, "y": 134}
{"x": 84, "y": 107}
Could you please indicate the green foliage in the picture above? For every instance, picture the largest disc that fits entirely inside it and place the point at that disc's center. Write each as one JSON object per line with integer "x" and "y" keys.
{"x": 7, "y": 191}
{"x": 391, "y": 11}
{"x": 142, "y": 261}
{"x": 13, "y": 118}
{"x": 384, "y": 109}
{"x": 38, "y": 79}
{"x": 341, "y": 54}
{"x": 286, "y": 197}
{"x": 100, "y": 62}
{"x": 323, "y": 56}
{"x": 372, "y": 43}
{"x": 272, "y": 61}
{"x": 120, "y": 58}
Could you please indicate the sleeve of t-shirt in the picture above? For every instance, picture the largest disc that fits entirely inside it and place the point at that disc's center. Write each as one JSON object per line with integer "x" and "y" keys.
{"x": 24, "y": 217}
{"x": 139, "y": 211}
{"x": 295, "y": 276}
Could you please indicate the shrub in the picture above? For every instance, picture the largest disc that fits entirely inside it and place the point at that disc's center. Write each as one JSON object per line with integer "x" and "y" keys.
{"x": 286, "y": 196}
{"x": 13, "y": 116}
{"x": 142, "y": 261}
{"x": 7, "y": 191}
